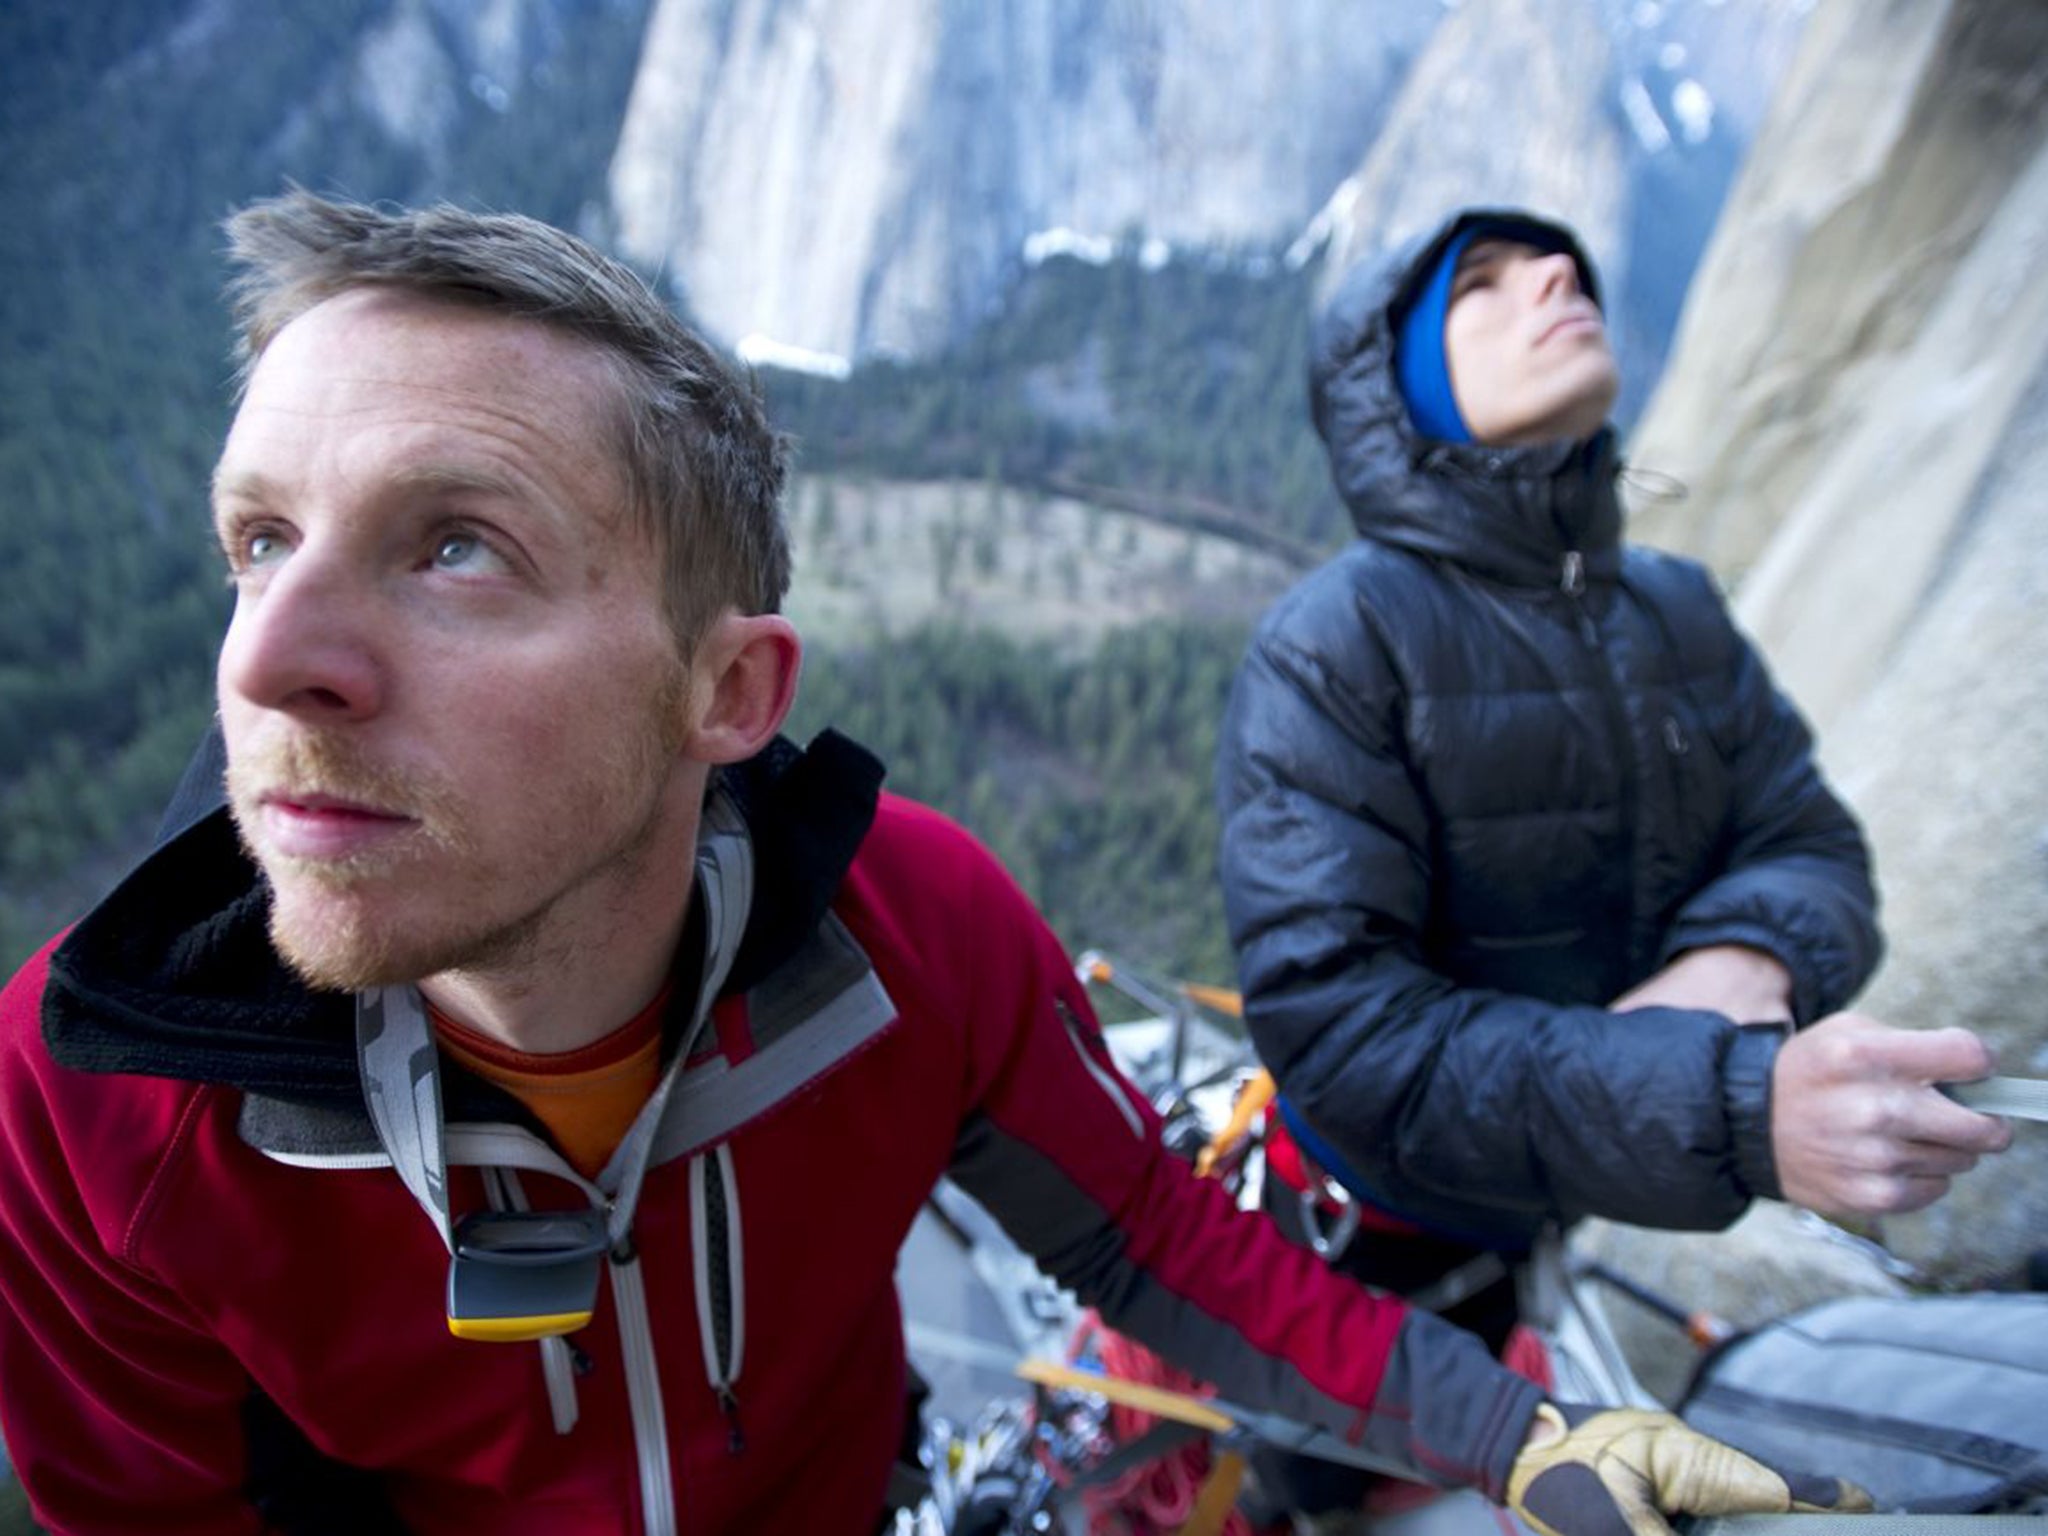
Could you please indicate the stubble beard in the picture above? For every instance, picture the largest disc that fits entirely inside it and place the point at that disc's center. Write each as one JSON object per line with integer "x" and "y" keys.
{"x": 331, "y": 921}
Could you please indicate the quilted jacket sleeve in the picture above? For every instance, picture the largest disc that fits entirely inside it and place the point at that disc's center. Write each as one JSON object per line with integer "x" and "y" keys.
{"x": 1480, "y": 1113}
{"x": 1797, "y": 881}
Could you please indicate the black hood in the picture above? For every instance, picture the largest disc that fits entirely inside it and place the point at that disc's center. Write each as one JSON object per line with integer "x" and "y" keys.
{"x": 1510, "y": 514}
{"x": 173, "y": 974}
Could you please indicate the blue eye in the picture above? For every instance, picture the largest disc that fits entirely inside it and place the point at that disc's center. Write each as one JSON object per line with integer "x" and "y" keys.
{"x": 461, "y": 552}
{"x": 455, "y": 550}
{"x": 262, "y": 549}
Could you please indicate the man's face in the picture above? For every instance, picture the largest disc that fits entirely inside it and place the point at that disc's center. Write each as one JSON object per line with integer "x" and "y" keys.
{"x": 1527, "y": 350}
{"x": 452, "y": 702}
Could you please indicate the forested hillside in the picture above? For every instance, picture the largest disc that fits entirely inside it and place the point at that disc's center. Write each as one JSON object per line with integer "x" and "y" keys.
{"x": 1181, "y": 388}
{"x": 1087, "y": 774}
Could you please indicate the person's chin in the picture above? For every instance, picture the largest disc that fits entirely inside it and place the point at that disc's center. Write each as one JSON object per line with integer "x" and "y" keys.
{"x": 1582, "y": 396}
{"x": 340, "y": 939}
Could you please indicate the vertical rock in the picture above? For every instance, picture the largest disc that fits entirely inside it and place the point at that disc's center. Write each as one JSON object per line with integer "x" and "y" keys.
{"x": 860, "y": 175}
{"x": 1508, "y": 105}
{"x": 1944, "y": 756}
{"x": 1859, "y": 404}
{"x": 1892, "y": 140}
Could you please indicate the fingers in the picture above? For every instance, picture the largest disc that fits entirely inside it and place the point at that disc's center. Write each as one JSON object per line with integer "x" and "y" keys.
{"x": 1853, "y": 1047}
{"x": 1922, "y": 1159}
{"x": 1935, "y": 1118}
{"x": 1858, "y": 1129}
{"x": 1827, "y": 1495}
{"x": 1726, "y": 1481}
{"x": 1705, "y": 1477}
{"x": 1950, "y": 1055}
{"x": 1902, "y": 1129}
{"x": 1620, "y": 1471}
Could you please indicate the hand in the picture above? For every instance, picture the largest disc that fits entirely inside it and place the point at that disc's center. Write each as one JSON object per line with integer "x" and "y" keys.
{"x": 1587, "y": 1471}
{"x": 1857, "y": 1127}
{"x": 1744, "y": 984}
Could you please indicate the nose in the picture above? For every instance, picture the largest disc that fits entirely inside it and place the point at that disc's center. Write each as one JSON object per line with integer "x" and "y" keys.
{"x": 303, "y": 642}
{"x": 1557, "y": 275}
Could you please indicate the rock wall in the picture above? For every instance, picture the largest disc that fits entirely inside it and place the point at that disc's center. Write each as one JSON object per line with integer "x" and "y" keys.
{"x": 1858, "y": 403}
{"x": 1899, "y": 130}
{"x": 1944, "y": 756}
{"x": 1552, "y": 145}
{"x": 1625, "y": 121}
{"x": 856, "y": 175}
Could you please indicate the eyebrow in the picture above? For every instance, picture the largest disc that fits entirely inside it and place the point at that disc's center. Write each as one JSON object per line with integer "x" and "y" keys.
{"x": 454, "y": 478}
{"x": 245, "y": 486}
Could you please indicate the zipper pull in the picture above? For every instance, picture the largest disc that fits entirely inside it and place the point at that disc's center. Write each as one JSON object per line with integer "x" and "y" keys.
{"x": 1572, "y": 582}
{"x": 735, "y": 1442}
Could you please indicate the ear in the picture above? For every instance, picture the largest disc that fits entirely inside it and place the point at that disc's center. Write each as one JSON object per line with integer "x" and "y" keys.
{"x": 746, "y": 666}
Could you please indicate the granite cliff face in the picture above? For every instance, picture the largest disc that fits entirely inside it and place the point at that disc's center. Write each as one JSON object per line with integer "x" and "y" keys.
{"x": 1553, "y": 143}
{"x": 423, "y": 70}
{"x": 852, "y": 176}
{"x": 858, "y": 176}
{"x": 1858, "y": 403}
{"x": 1626, "y": 121}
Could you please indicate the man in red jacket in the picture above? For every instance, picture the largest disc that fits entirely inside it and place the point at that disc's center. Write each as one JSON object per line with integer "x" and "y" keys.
{"x": 504, "y": 1115}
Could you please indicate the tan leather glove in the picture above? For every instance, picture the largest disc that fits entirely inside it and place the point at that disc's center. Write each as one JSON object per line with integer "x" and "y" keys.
{"x": 1619, "y": 1471}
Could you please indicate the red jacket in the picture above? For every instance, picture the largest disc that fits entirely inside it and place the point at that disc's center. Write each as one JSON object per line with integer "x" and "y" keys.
{"x": 202, "y": 1246}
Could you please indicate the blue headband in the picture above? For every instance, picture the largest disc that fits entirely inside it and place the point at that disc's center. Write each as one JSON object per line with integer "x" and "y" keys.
{"x": 1419, "y": 363}
{"x": 1420, "y": 367}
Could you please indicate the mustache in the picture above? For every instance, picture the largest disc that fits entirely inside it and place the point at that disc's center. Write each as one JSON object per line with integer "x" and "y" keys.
{"x": 306, "y": 765}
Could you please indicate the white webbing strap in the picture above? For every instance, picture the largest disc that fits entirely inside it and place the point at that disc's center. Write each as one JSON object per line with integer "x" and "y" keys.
{"x": 2024, "y": 1098}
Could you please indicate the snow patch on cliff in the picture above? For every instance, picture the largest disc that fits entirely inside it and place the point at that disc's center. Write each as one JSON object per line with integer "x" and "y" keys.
{"x": 760, "y": 351}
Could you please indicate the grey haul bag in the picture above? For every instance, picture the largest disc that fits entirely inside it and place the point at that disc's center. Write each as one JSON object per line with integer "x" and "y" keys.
{"x": 1936, "y": 1404}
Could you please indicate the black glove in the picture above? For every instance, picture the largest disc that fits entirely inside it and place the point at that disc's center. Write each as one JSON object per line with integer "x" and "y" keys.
{"x": 1619, "y": 1471}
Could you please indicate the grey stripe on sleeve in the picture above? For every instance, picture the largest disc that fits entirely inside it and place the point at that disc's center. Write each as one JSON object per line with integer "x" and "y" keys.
{"x": 1465, "y": 1426}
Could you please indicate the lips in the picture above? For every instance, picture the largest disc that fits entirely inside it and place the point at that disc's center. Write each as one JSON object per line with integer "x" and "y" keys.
{"x": 313, "y": 804}
{"x": 316, "y": 826}
{"x": 1575, "y": 319}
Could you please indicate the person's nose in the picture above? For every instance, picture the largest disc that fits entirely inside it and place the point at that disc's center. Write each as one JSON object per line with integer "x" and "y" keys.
{"x": 1557, "y": 275}
{"x": 304, "y": 641}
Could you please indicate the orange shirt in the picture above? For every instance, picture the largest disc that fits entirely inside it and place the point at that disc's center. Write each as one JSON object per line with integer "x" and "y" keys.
{"x": 586, "y": 1098}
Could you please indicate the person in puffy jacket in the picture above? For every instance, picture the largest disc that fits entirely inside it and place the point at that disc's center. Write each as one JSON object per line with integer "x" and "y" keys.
{"x": 1541, "y": 906}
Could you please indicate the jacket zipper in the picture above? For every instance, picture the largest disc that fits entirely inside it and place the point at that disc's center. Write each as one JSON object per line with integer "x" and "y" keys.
{"x": 721, "y": 1281}
{"x": 1102, "y": 1078}
{"x": 1572, "y": 582}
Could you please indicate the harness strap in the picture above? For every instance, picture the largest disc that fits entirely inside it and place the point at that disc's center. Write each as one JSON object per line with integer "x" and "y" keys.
{"x": 2024, "y": 1098}
{"x": 516, "y": 1275}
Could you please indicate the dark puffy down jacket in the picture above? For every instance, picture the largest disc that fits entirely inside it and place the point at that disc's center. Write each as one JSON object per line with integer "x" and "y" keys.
{"x": 1480, "y": 774}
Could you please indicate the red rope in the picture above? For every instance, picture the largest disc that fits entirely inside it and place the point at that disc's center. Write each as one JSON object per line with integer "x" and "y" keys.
{"x": 1156, "y": 1498}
